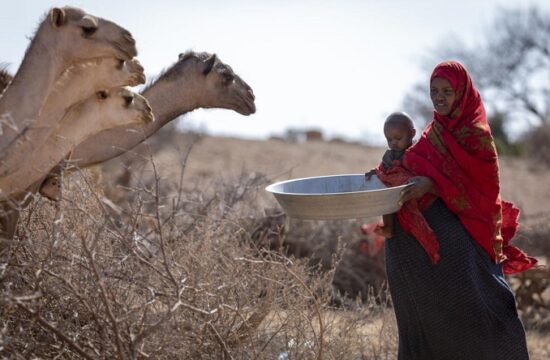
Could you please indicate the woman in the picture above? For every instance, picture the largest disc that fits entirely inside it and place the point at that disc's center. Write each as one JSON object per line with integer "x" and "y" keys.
{"x": 461, "y": 307}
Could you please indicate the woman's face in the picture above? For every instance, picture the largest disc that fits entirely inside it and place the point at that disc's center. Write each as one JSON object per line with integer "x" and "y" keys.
{"x": 443, "y": 95}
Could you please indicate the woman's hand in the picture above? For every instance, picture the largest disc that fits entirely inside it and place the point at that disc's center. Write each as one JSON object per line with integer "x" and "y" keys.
{"x": 418, "y": 186}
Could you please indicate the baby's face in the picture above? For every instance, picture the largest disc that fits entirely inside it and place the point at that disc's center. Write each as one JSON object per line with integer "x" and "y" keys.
{"x": 399, "y": 137}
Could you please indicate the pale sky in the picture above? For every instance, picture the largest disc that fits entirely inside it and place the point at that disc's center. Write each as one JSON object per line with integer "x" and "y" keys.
{"x": 340, "y": 66}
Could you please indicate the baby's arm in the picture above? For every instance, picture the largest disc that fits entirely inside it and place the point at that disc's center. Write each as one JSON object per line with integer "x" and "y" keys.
{"x": 369, "y": 174}
{"x": 386, "y": 230}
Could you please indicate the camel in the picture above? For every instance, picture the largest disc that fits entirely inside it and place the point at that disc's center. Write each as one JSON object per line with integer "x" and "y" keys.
{"x": 76, "y": 84}
{"x": 106, "y": 109}
{"x": 67, "y": 35}
{"x": 196, "y": 80}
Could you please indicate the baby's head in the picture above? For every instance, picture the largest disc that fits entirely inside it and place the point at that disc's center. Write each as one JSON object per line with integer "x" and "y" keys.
{"x": 399, "y": 131}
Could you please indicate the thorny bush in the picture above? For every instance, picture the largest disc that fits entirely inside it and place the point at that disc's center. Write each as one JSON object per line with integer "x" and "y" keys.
{"x": 171, "y": 276}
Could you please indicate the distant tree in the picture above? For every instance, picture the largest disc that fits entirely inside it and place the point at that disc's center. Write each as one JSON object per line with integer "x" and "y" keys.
{"x": 502, "y": 141}
{"x": 510, "y": 67}
{"x": 537, "y": 145}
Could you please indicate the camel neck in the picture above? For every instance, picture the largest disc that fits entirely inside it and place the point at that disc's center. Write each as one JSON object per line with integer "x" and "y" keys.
{"x": 23, "y": 99}
{"x": 170, "y": 99}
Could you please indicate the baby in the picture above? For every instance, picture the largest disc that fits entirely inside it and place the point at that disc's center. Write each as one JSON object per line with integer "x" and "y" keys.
{"x": 399, "y": 132}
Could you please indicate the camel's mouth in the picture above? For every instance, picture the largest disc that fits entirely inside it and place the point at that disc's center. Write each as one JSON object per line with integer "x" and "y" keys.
{"x": 251, "y": 107}
{"x": 140, "y": 79}
{"x": 135, "y": 68}
{"x": 128, "y": 51}
{"x": 247, "y": 105}
{"x": 148, "y": 117}
{"x": 136, "y": 79}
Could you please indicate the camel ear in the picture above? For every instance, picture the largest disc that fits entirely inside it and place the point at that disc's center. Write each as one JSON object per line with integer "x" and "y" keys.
{"x": 88, "y": 22}
{"x": 181, "y": 56}
{"x": 58, "y": 17}
{"x": 209, "y": 64}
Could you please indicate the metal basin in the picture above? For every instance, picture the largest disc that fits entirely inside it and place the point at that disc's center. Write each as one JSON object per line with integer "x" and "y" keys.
{"x": 336, "y": 197}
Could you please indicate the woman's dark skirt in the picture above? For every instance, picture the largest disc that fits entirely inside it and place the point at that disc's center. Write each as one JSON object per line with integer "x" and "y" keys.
{"x": 460, "y": 308}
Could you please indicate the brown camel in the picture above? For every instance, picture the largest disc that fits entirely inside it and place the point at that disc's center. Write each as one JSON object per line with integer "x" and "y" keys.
{"x": 197, "y": 80}
{"x": 76, "y": 84}
{"x": 66, "y": 36}
{"x": 106, "y": 109}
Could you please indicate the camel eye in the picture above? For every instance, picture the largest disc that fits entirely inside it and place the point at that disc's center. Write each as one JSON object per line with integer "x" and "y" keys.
{"x": 128, "y": 99}
{"x": 89, "y": 30}
{"x": 228, "y": 79}
{"x": 102, "y": 95}
{"x": 120, "y": 64}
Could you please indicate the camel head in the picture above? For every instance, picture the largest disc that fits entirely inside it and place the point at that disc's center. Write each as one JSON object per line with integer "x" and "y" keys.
{"x": 110, "y": 72}
{"x": 85, "y": 78}
{"x": 115, "y": 107}
{"x": 214, "y": 83}
{"x": 83, "y": 36}
{"x": 103, "y": 110}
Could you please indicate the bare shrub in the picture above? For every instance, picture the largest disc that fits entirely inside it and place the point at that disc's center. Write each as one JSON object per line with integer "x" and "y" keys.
{"x": 532, "y": 287}
{"x": 173, "y": 272}
{"x": 171, "y": 275}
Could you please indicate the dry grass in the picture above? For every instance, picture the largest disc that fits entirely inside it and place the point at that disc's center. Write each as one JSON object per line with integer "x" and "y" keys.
{"x": 170, "y": 276}
{"x": 187, "y": 260}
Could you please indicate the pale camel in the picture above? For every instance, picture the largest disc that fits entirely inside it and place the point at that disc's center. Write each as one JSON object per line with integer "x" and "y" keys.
{"x": 76, "y": 84}
{"x": 197, "y": 80}
{"x": 106, "y": 109}
{"x": 66, "y": 36}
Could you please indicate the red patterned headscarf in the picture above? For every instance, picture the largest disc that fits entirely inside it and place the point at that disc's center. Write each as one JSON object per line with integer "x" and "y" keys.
{"x": 458, "y": 153}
